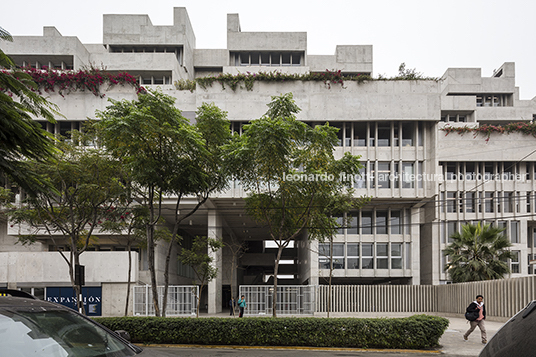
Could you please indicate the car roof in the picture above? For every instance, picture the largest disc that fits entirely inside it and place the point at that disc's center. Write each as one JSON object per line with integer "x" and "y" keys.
{"x": 11, "y": 302}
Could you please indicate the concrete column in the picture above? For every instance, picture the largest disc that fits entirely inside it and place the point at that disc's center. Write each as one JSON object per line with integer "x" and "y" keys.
{"x": 215, "y": 231}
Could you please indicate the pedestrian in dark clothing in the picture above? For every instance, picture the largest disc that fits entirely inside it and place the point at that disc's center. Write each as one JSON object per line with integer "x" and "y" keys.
{"x": 232, "y": 305}
{"x": 242, "y": 305}
{"x": 477, "y": 308}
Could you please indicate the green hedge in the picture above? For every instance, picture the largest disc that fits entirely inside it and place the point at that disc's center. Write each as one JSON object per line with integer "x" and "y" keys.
{"x": 416, "y": 332}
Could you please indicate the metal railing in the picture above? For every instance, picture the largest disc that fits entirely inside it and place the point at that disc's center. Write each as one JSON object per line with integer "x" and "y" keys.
{"x": 181, "y": 300}
{"x": 291, "y": 299}
{"x": 503, "y": 298}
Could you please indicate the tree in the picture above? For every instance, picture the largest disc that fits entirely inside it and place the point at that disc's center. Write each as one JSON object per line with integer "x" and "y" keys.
{"x": 157, "y": 145}
{"x": 478, "y": 252}
{"x": 85, "y": 186}
{"x": 291, "y": 175}
{"x": 22, "y": 138}
{"x": 198, "y": 257}
{"x": 199, "y": 175}
{"x": 127, "y": 223}
{"x": 237, "y": 248}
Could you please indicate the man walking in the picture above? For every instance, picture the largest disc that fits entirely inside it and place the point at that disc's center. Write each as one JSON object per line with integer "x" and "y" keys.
{"x": 477, "y": 307}
{"x": 241, "y": 305}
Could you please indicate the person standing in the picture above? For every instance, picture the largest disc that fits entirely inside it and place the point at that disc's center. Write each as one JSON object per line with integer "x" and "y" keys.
{"x": 232, "y": 304}
{"x": 241, "y": 305}
{"x": 477, "y": 307}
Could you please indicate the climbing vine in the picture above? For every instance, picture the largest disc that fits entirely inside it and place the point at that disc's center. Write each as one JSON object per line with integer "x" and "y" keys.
{"x": 487, "y": 129}
{"x": 66, "y": 81}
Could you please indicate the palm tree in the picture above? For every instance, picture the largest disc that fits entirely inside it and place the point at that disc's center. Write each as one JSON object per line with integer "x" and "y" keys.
{"x": 20, "y": 136}
{"x": 478, "y": 252}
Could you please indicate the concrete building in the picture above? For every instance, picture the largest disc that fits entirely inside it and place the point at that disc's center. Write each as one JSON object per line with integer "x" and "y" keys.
{"x": 424, "y": 184}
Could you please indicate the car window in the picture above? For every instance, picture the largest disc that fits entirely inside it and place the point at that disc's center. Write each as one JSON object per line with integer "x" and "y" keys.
{"x": 59, "y": 333}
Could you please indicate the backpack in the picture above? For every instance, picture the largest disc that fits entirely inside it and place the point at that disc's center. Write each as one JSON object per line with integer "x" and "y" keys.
{"x": 471, "y": 316}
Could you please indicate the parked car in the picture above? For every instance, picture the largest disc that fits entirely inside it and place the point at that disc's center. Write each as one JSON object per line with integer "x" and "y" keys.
{"x": 33, "y": 327}
{"x": 515, "y": 337}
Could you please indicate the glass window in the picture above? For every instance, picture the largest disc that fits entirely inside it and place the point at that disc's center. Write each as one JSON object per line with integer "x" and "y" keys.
{"x": 372, "y": 135}
{"x": 514, "y": 231}
{"x": 381, "y": 222}
{"x": 514, "y": 262}
{"x": 450, "y": 170}
{"x": 340, "y": 224}
{"x": 353, "y": 224}
{"x": 65, "y": 128}
{"x": 384, "y": 134}
{"x": 420, "y": 176}
{"x": 339, "y": 133}
{"x": 452, "y": 227}
{"x": 338, "y": 255}
{"x": 408, "y": 175}
{"x": 470, "y": 202}
{"x": 255, "y": 58}
{"x": 384, "y": 172}
{"x": 470, "y": 171}
{"x": 360, "y": 134}
{"x": 382, "y": 258}
{"x": 489, "y": 202}
{"x": 408, "y": 255}
{"x": 488, "y": 171}
{"x": 396, "y": 175}
{"x": 361, "y": 179}
{"x": 323, "y": 256}
{"x": 394, "y": 222}
{"x": 396, "y": 255}
{"x": 367, "y": 258}
{"x": 352, "y": 253}
{"x": 347, "y": 134}
{"x": 296, "y": 59}
{"x": 265, "y": 59}
{"x": 508, "y": 171}
{"x": 372, "y": 174}
{"x": 285, "y": 58}
{"x": 366, "y": 222}
{"x": 421, "y": 133}
{"x": 408, "y": 133}
{"x": 407, "y": 221}
{"x": 451, "y": 202}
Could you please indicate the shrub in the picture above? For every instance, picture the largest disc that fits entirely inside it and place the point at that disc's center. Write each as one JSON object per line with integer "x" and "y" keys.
{"x": 416, "y": 332}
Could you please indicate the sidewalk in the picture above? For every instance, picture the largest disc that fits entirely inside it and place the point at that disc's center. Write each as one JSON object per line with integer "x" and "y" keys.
{"x": 453, "y": 344}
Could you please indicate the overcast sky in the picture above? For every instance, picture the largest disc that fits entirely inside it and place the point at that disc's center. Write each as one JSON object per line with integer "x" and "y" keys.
{"x": 428, "y": 35}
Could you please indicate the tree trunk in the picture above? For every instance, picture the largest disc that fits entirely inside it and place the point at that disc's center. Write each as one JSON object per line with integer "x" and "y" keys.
{"x": 276, "y": 268}
{"x": 330, "y": 273}
{"x": 129, "y": 272}
{"x": 199, "y": 298}
{"x": 166, "y": 278}
{"x": 150, "y": 258}
{"x": 233, "y": 263}
{"x": 77, "y": 287}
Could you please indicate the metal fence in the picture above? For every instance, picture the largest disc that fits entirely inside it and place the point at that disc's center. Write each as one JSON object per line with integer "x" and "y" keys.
{"x": 291, "y": 299}
{"x": 376, "y": 298}
{"x": 181, "y": 300}
{"x": 503, "y": 298}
